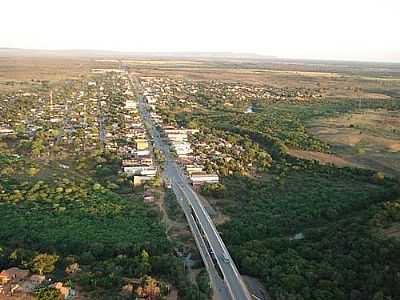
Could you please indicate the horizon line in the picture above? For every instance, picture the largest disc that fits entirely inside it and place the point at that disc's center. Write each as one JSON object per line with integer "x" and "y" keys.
{"x": 242, "y": 55}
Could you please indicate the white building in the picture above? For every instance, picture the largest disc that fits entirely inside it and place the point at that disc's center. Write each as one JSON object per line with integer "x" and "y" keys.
{"x": 190, "y": 169}
{"x": 177, "y": 136}
{"x": 151, "y": 100}
{"x": 181, "y": 131}
{"x": 130, "y": 104}
{"x": 142, "y": 152}
{"x": 140, "y": 170}
{"x": 198, "y": 179}
{"x": 182, "y": 148}
{"x": 6, "y": 131}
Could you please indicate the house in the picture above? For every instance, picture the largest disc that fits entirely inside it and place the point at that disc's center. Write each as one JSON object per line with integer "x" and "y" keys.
{"x": 6, "y": 131}
{"x": 166, "y": 127}
{"x": 37, "y": 279}
{"x": 190, "y": 169}
{"x": 133, "y": 170}
{"x": 201, "y": 178}
{"x": 130, "y": 162}
{"x": 129, "y": 93}
{"x": 28, "y": 285}
{"x": 149, "y": 172}
{"x": 129, "y": 104}
{"x": 178, "y": 137}
{"x": 151, "y": 99}
{"x": 66, "y": 292}
{"x": 147, "y": 161}
{"x": 186, "y": 159}
{"x": 182, "y": 148}
{"x": 148, "y": 197}
{"x": 13, "y": 275}
{"x": 141, "y": 144}
{"x": 140, "y": 170}
{"x": 139, "y": 180}
{"x": 142, "y": 153}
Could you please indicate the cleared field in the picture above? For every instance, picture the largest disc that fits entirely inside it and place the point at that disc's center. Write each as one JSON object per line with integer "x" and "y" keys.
{"x": 370, "y": 139}
{"x": 335, "y": 81}
{"x": 19, "y": 72}
{"x": 323, "y": 158}
{"x": 332, "y": 85}
{"x": 22, "y": 68}
{"x": 163, "y": 62}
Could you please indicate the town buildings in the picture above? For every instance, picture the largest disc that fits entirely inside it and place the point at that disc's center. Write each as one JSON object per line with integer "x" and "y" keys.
{"x": 18, "y": 282}
{"x": 177, "y": 138}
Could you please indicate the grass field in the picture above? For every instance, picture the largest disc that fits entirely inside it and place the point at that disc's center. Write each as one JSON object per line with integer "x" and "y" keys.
{"x": 370, "y": 138}
{"x": 19, "y": 72}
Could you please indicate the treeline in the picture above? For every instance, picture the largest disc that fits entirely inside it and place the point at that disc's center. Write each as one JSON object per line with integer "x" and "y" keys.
{"x": 310, "y": 231}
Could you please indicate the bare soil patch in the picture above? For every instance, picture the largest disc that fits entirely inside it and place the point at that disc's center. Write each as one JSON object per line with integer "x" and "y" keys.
{"x": 369, "y": 139}
{"x": 19, "y": 72}
{"x": 256, "y": 288}
{"x": 393, "y": 231}
{"x": 323, "y": 158}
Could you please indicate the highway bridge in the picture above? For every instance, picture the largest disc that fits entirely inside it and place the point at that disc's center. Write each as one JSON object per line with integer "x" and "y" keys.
{"x": 225, "y": 278}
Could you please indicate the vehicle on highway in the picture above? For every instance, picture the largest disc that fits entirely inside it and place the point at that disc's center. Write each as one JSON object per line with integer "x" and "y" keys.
{"x": 168, "y": 184}
{"x": 213, "y": 257}
{"x": 225, "y": 258}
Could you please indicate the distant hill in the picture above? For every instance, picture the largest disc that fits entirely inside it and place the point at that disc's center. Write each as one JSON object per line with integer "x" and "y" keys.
{"x": 246, "y": 60}
{"x": 114, "y": 54}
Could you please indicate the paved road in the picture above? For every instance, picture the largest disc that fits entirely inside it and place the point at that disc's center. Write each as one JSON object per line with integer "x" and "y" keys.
{"x": 208, "y": 240}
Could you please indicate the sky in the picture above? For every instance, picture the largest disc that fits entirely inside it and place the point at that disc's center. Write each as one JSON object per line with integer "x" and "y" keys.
{"x": 324, "y": 29}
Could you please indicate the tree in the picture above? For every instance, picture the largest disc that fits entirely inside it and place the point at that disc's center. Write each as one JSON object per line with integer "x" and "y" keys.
{"x": 32, "y": 171}
{"x": 44, "y": 263}
{"x": 216, "y": 190}
{"x": 192, "y": 124}
{"x": 38, "y": 146}
{"x": 379, "y": 296}
{"x": 21, "y": 256}
{"x": 378, "y": 177}
{"x": 48, "y": 293}
{"x": 203, "y": 282}
{"x": 103, "y": 171}
{"x": 72, "y": 268}
{"x": 156, "y": 182}
{"x": 144, "y": 265}
{"x": 149, "y": 289}
{"x": 7, "y": 171}
{"x": 223, "y": 171}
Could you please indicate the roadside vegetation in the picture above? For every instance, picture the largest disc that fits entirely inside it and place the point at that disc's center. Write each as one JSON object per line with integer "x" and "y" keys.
{"x": 307, "y": 230}
{"x": 173, "y": 209}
